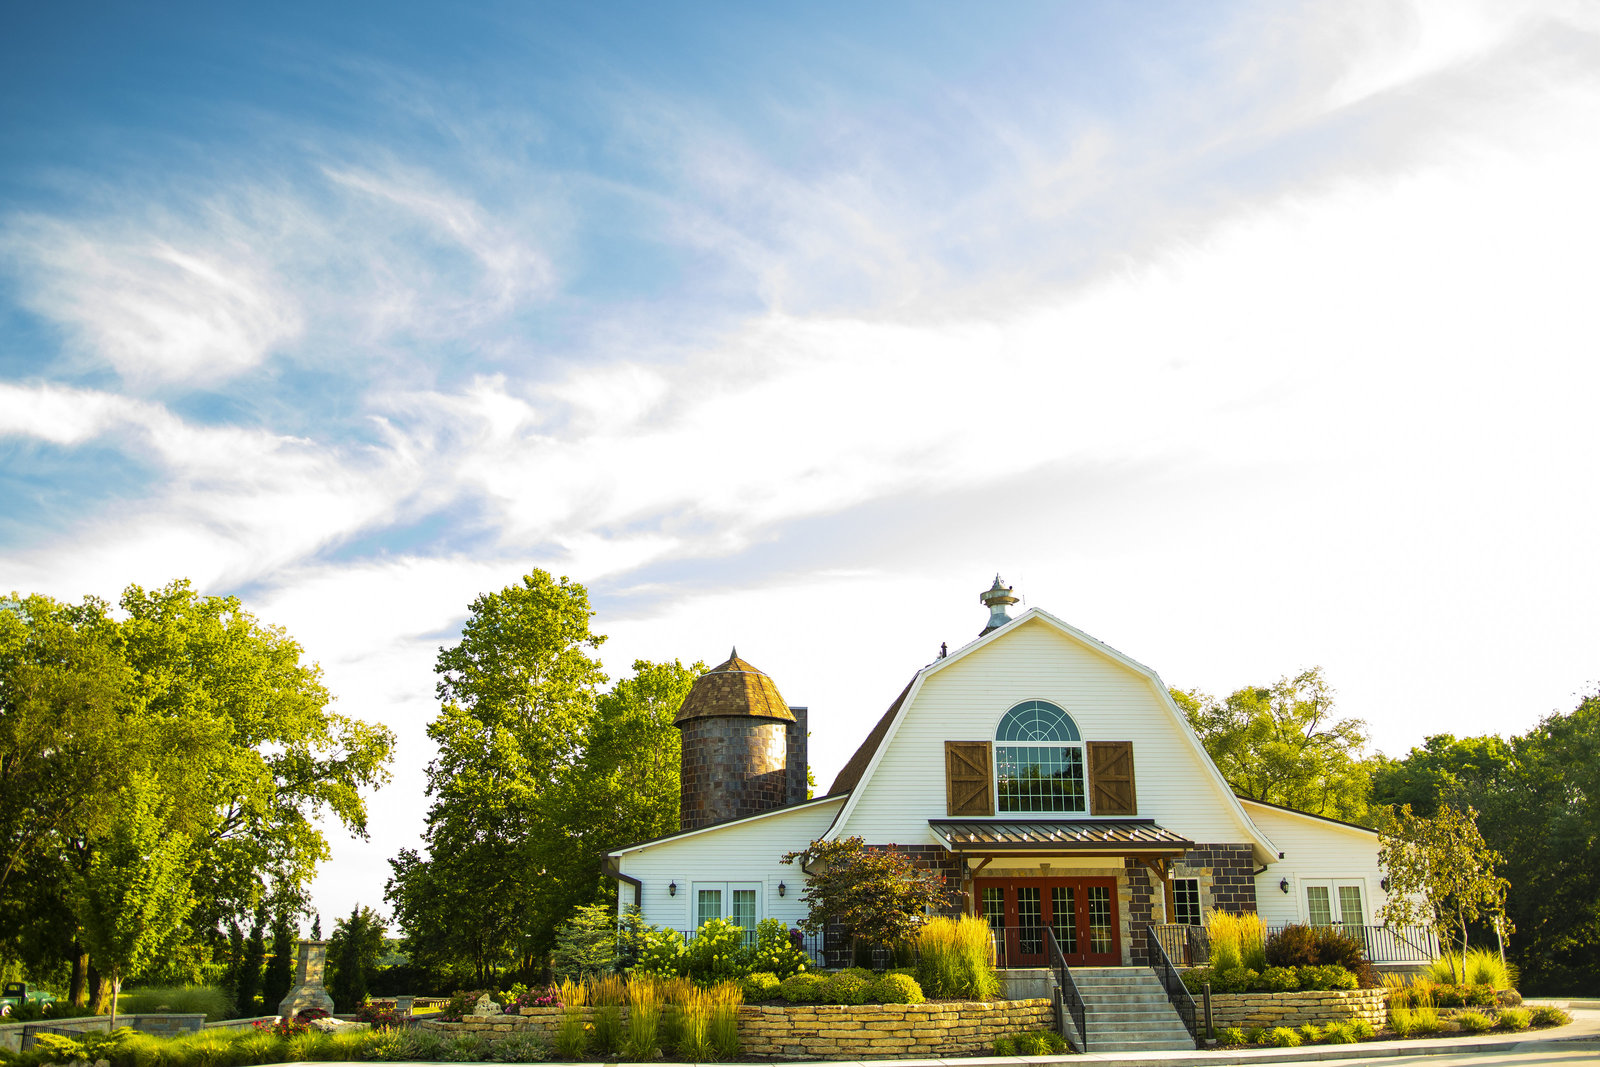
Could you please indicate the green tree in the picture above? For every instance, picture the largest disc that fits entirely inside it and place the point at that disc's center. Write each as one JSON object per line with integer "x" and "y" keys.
{"x": 1441, "y": 873}
{"x": 517, "y": 696}
{"x": 210, "y": 713}
{"x": 1283, "y": 745}
{"x": 878, "y": 895}
{"x": 255, "y": 959}
{"x": 279, "y": 979}
{"x": 353, "y": 954}
{"x": 1445, "y": 770}
{"x": 135, "y": 894}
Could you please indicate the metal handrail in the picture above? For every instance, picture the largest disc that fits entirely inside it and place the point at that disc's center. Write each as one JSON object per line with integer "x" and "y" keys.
{"x": 1067, "y": 990}
{"x": 1177, "y": 993}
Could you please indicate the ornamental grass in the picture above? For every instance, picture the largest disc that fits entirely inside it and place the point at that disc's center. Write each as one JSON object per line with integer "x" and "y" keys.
{"x": 644, "y": 1019}
{"x": 956, "y": 959}
{"x": 1476, "y": 967}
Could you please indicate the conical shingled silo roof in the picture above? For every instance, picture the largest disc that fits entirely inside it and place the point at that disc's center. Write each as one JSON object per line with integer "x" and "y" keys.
{"x": 733, "y": 689}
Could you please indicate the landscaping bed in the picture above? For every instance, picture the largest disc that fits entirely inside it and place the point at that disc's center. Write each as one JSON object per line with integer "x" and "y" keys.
{"x": 1421, "y": 1023}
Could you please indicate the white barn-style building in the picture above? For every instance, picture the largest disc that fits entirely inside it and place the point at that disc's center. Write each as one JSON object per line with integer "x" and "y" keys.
{"x": 1049, "y": 776}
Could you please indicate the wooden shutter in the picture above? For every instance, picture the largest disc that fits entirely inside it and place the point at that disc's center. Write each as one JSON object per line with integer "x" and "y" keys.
{"x": 966, "y": 778}
{"x": 1111, "y": 789}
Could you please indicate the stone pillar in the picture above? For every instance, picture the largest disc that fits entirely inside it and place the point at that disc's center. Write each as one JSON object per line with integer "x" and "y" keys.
{"x": 308, "y": 991}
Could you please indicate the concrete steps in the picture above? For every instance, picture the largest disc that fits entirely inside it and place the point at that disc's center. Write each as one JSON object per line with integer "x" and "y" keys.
{"x": 1128, "y": 1011}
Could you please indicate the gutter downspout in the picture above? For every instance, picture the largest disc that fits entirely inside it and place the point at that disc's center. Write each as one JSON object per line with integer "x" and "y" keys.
{"x": 614, "y": 870}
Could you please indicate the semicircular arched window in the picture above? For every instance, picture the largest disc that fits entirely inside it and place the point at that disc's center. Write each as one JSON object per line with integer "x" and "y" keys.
{"x": 1038, "y": 761}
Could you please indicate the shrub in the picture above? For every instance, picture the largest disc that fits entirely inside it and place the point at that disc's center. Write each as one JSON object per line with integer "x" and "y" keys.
{"x": 1038, "y": 1043}
{"x": 1320, "y": 946}
{"x": 1195, "y": 978}
{"x": 1473, "y": 1021}
{"x": 1277, "y": 980}
{"x": 663, "y": 953}
{"x": 1546, "y": 1015}
{"x": 181, "y": 1000}
{"x": 1362, "y": 1029}
{"x": 1293, "y": 946}
{"x": 1255, "y": 1035}
{"x": 846, "y": 987}
{"x": 1338, "y": 1034}
{"x": 802, "y": 988}
{"x": 897, "y": 989}
{"x": 776, "y": 951}
{"x": 1513, "y": 1019}
{"x": 1330, "y": 976}
{"x": 718, "y": 950}
{"x": 1005, "y": 1046}
{"x": 956, "y": 959}
{"x": 1449, "y": 996}
{"x": 1230, "y": 1036}
{"x": 1402, "y": 1021}
{"x": 1237, "y": 980}
{"x": 521, "y": 1047}
{"x": 759, "y": 986}
{"x": 1283, "y": 1037}
{"x": 1426, "y": 1017}
{"x": 1507, "y": 998}
{"x": 1309, "y": 1034}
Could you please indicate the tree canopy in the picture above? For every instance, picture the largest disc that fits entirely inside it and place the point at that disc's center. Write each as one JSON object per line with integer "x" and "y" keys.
{"x": 189, "y": 709}
{"x": 1282, "y": 744}
{"x": 539, "y": 774}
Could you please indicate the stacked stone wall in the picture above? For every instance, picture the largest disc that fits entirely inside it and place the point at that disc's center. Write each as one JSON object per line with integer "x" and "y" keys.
{"x": 826, "y": 1031}
{"x": 1317, "y": 1008}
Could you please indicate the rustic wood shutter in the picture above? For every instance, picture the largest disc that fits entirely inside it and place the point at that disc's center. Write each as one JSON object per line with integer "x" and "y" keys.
{"x": 966, "y": 778}
{"x": 1111, "y": 789}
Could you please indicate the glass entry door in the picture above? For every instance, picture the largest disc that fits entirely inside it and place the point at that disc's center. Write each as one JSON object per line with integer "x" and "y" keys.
{"x": 1081, "y": 912}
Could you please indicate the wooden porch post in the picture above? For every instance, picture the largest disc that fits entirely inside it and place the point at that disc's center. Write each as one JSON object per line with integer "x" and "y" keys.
{"x": 1159, "y": 867}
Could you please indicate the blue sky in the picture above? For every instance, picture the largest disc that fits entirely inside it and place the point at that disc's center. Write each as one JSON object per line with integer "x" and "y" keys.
{"x": 1243, "y": 336}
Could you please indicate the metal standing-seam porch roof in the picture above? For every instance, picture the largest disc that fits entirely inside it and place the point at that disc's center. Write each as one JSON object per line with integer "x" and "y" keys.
{"x": 1119, "y": 836}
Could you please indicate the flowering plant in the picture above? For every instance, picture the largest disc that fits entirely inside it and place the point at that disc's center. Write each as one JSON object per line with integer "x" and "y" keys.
{"x": 285, "y": 1027}
{"x": 777, "y": 951}
{"x": 540, "y": 998}
{"x": 718, "y": 950}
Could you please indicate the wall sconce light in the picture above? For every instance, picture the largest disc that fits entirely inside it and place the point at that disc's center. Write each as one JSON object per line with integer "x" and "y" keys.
{"x": 1383, "y": 883}
{"x": 782, "y": 889}
{"x": 672, "y": 889}
{"x": 1283, "y": 884}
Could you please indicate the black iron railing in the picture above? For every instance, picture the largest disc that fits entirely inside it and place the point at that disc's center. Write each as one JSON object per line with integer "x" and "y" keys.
{"x": 1188, "y": 946}
{"x": 1182, "y": 1002}
{"x": 1067, "y": 995}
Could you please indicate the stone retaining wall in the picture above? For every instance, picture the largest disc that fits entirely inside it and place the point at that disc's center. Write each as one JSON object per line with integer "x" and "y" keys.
{"x": 1317, "y": 1007}
{"x": 829, "y": 1031}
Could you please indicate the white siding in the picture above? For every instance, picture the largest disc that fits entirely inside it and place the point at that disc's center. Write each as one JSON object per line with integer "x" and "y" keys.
{"x": 965, "y": 701}
{"x": 1313, "y": 849}
{"x": 745, "y": 851}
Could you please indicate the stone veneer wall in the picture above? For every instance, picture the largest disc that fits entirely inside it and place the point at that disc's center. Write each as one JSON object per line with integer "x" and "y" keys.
{"x": 732, "y": 766}
{"x": 828, "y": 1031}
{"x": 1318, "y": 1008}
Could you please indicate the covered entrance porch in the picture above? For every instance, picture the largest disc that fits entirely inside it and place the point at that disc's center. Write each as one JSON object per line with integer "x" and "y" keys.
{"x": 1068, "y": 878}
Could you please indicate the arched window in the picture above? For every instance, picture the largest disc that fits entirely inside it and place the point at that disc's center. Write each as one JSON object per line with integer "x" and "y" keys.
{"x": 1038, "y": 761}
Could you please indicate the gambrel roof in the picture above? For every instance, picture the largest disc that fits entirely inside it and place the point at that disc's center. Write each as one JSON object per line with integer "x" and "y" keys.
{"x": 858, "y": 772}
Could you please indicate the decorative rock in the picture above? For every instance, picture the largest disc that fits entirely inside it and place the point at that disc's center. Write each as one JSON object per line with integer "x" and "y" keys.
{"x": 485, "y": 1007}
{"x": 337, "y": 1026}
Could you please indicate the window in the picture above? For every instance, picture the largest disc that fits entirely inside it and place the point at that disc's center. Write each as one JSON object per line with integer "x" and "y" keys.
{"x": 1038, "y": 760}
{"x": 1186, "y": 901}
{"x": 734, "y": 901}
{"x": 1330, "y": 901}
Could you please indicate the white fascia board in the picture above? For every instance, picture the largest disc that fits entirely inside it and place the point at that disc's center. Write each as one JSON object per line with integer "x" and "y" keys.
{"x": 1266, "y": 851}
{"x": 1319, "y": 820}
{"x": 683, "y": 834}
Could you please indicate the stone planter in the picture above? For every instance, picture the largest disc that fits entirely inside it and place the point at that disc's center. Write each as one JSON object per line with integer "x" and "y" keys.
{"x": 1316, "y": 1007}
{"x": 828, "y": 1031}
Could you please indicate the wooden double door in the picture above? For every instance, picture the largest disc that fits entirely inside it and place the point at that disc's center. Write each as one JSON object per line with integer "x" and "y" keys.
{"x": 1081, "y": 912}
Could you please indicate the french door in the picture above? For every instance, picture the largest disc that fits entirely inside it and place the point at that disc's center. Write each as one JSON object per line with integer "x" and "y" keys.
{"x": 1081, "y": 912}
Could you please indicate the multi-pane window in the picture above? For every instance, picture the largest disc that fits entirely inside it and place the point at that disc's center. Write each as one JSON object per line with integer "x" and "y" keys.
{"x": 1064, "y": 917}
{"x": 1038, "y": 758}
{"x": 734, "y": 902}
{"x": 1350, "y": 905}
{"x": 1186, "y": 901}
{"x": 994, "y": 907}
{"x": 1319, "y": 906}
{"x": 1099, "y": 919}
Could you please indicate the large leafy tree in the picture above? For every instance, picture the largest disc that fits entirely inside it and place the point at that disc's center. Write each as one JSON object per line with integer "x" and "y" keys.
{"x": 353, "y": 954}
{"x": 192, "y": 702}
{"x": 1283, "y": 744}
{"x": 517, "y": 696}
{"x": 132, "y": 900}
